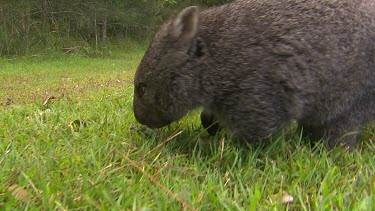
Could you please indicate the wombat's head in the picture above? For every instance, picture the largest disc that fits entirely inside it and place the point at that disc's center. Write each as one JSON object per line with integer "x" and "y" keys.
{"x": 165, "y": 81}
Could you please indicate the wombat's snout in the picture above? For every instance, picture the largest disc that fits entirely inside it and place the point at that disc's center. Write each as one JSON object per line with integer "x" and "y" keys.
{"x": 149, "y": 118}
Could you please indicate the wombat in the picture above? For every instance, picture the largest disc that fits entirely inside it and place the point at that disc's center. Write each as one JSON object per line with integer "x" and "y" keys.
{"x": 255, "y": 65}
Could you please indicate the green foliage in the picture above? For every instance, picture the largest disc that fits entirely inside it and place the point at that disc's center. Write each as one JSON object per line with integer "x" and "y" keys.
{"x": 75, "y": 25}
{"x": 63, "y": 152}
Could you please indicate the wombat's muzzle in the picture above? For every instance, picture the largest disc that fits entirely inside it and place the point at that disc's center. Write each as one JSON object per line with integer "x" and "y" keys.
{"x": 150, "y": 118}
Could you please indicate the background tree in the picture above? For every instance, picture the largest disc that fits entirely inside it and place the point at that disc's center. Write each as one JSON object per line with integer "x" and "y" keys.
{"x": 71, "y": 25}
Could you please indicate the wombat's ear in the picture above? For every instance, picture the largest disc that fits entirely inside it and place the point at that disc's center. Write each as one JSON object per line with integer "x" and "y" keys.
{"x": 185, "y": 26}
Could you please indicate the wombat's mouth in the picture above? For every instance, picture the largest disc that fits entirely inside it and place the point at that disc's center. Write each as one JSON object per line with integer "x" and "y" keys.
{"x": 155, "y": 125}
{"x": 151, "y": 120}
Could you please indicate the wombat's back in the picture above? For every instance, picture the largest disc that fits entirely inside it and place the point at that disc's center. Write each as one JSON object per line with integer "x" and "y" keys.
{"x": 322, "y": 50}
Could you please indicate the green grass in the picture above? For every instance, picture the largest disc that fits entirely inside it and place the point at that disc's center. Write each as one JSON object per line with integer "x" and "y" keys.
{"x": 80, "y": 150}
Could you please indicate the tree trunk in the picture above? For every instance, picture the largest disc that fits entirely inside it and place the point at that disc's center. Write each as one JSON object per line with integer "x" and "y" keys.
{"x": 27, "y": 26}
{"x": 96, "y": 32}
{"x": 104, "y": 29}
{"x": 44, "y": 8}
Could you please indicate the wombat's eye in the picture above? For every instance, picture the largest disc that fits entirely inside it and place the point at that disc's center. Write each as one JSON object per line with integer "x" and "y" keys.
{"x": 196, "y": 49}
{"x": 141, "y": 89}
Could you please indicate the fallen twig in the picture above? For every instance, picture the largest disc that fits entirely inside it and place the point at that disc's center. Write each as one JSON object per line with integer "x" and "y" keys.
{"x": 162, "y": 143}
{"x": 156, "y": 182}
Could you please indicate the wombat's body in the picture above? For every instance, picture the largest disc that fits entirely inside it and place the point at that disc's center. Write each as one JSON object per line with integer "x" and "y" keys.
{"x": 254, "y": 65}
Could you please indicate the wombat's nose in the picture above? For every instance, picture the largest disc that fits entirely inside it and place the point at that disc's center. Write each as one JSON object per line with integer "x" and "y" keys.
{"x": 139, "y": 115}
{"x": 150, "y": 118}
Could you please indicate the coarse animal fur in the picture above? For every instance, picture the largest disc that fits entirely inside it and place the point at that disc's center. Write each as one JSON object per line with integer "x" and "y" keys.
{"x": 255, "y": 65}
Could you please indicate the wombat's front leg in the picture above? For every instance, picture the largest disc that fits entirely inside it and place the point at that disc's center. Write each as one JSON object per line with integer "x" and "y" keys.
{"x": 210, "y": 122}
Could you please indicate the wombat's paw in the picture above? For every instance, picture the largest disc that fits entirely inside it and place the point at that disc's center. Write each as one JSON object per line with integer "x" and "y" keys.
{"x": 210, "y": 123}
{"x": 347, "y": 143}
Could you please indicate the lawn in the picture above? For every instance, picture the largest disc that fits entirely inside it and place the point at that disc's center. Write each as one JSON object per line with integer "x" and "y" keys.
{"x": 69, "y": 141}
